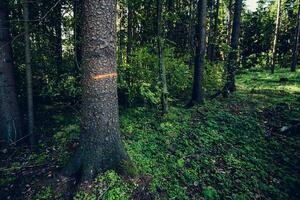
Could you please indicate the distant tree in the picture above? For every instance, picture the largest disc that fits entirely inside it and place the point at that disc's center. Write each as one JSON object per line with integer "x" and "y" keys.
{"x": 162, "y": 68}
{"x": 30, "y": 114}
{"x": 197, "y": 95}
{"x": 231, "y": 63}
{"x": 100, "y": 143}
{"x": 296, "y": 42}
{"x": 229, "y": 22}
{"x": 214, "y": 31}
{"x": 277, "y": 28}
{"x": 58, "y": 37}
{"x": 10, "y": 121}
{"x": 129, "y": 29}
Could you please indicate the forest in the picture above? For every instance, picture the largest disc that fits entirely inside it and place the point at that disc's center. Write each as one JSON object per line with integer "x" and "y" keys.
{"x": 149, "y": 99}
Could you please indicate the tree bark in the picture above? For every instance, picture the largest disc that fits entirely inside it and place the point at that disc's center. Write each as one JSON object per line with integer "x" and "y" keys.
{"x": 28, "y": 77}
{"x": 210, "y": 32}
{"x": 277, "y": 28}
{"x": 296, "y": 43}
{"x": 231, "y": 64}
{"x": 197, "y": 95}
{"x": 100, "y": 143}
{"x": 162, "y": 68}
{"x": 10, "y": 121}
{"x": 78, "y": 9}
{"x": 129, "y": 30}
{"x": 215, "y": 32}
{"x": 229, "y": 22}
{"x": 58, "y": 38}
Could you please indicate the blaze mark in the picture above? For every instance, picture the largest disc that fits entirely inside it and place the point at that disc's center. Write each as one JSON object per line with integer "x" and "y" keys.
{"x": 103, "y": 76}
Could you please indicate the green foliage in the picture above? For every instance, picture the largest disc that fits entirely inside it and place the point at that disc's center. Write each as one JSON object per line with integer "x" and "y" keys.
{"x": 64, "y": 138}
{"x": 213, "y": 76}
{"x": 107, "y": 186}
{"x": 210, "y": 193}
{"x": 139, "y": 81}
{"x": 45, "y": 194}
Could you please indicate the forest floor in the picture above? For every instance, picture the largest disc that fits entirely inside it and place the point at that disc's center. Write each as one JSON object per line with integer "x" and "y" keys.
{"x": 229, "y": 148}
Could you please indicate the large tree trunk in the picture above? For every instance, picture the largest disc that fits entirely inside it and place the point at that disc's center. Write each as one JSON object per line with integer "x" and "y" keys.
{"x": 197, "y": 96}
{"x": 28, "y": 76}
{"x": 162, "y": 68}
{"x": 10, "y": 121}
{"x": 58, "y": 38}
{"x": 277, "y": 28}
{"x": 231, "y": 64}
{"x": 100, "y": 143}
{"x": 296, "y": 43}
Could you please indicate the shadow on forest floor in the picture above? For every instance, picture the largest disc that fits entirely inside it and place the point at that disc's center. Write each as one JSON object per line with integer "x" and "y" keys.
{"x": 226, "y": 149}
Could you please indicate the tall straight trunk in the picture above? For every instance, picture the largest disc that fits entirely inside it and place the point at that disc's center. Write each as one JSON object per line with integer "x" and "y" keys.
{"x": 215, "y": 32}
{"x": 191, "y": 32}
{"x": 129, "y": 30}
{"x": 232, "y": 60}
{"x": 229, "y": 22}
{"x": 210, "y": 32}
{"x": 28, "y": 76}
{"x": 10, "y": 121}
{"x": 78, "y": 8}
{"x": 277, "y": 28}
{"x": 100, "y": 148}
{"x": 296, "y": 43}
{"x": 170, "y": 30}
{"x": 162, "y": 68}
{"x": 197, "y": 95}
{"x": 58, "y": 38}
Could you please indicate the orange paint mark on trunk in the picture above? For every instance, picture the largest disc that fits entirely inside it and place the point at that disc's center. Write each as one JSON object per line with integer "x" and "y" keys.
{"x": 103, "y": 76}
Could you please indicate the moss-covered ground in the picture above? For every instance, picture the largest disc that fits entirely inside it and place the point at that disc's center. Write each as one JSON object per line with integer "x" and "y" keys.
{"x": 228, "y": 148}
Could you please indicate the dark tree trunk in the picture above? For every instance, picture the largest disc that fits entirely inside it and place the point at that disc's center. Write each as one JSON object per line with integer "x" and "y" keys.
{"x": 162, "y": 68}
{"x": 210, "y": 32}
{"x": 10, "y": 121}
{"x": 129, "y": 30}
{"x": 191, "y": 32}
{"x": 215, "y": 32}
{"x": 170, "y": 28}
{"x": 232, "y": 60}
{"x": 78, "y": 8}
{"x": 229, "y": 22}
{"x": 29, "y": 77}
{"x": 277, "y": 28}
{"x": 58, "y": 39}
{"x": 296, "y": 43}
{"x": 100, "y": 143}
{"x": 197, "y": 96}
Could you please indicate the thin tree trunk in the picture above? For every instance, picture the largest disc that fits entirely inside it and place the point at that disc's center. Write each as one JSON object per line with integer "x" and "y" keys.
{"x": 215, "y": 32}
{"x": 100, "y": 148}
{"x": 277, "y": 28}
{"x": 229, "y": 22}
{"x": 197, "y": 95}
{"x": 78, "y": 7}
{"x": 296, "y": 43}
{"x": 129, "y": 30}
{"x": 58, "y": 38}
{"x": 210, "y": 32}
{"x": 191, "y": 33}
{"x": 232, "y": 60}
{"x": 162, "y": 68}
{"x": 29, "y": 77}
{"x": 10, "y": 121}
